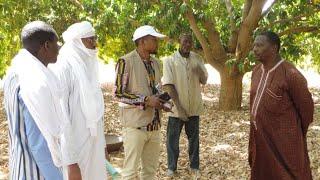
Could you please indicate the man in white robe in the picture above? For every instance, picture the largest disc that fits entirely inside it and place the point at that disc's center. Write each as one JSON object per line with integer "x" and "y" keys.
{"x": 33, "y": 103}
{"x": 83, "y": 143}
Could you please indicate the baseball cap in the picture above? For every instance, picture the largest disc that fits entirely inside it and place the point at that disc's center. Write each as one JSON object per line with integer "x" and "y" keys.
{"x": 144, "y": 31}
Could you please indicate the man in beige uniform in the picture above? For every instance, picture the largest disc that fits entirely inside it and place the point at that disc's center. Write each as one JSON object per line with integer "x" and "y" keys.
{"x": 137, "y": 77}
{"x": 183, "y": 73}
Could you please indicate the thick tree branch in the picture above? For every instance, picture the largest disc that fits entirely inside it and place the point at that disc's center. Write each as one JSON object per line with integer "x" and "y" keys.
{"x": 232, "y": 43}
{"x": 192, "y": 20}
{"x": 204, "y": 43}
{"x": 249, "y": 24}
{"x": 196, "y": 30}
{"x": 254, "y": 14}
{"x": 215, "y": 42}
{"x": 246, "y": 9}
{"x": 302, "y": 29}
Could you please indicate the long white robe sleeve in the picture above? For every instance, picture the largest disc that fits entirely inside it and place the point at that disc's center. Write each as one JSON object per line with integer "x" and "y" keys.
{"x": 78, "y": 146}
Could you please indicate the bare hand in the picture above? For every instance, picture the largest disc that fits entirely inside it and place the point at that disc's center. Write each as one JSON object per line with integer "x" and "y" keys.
{"x": 167, "y": 107}
{"x": 197, "y": 70}
{"x": 154, "y": 101}
{"x": 74, "y": 172}
{"x": 201, "y": 73}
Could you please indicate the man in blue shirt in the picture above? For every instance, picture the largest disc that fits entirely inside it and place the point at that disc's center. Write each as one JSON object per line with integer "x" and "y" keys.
{"x": 38, "y": 147}
{"x": 28, "y": 104}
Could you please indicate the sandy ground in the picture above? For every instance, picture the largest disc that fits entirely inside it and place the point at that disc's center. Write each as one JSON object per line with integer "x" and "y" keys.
{"x": 223, "y": 139}
{"x": 223, "y": 135}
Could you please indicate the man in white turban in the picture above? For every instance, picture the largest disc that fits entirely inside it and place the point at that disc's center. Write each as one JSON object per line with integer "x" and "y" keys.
{"x": 83, "y": 143}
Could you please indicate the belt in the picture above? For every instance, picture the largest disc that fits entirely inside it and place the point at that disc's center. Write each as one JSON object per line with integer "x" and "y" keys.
{"x": 150, "y": 127}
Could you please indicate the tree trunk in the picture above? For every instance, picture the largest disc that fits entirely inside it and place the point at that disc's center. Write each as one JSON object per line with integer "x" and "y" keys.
{"x": 230, "y": 91}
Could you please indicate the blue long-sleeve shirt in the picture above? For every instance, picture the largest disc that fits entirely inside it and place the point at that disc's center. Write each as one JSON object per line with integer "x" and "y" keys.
{"x": 38, "y": 147}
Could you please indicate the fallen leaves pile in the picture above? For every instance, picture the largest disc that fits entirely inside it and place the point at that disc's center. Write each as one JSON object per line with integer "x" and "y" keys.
{"x": 223, "y": 139}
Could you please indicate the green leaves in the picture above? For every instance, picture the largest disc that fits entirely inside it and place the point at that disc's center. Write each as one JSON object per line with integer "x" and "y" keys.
{"x": 116, "y": 20}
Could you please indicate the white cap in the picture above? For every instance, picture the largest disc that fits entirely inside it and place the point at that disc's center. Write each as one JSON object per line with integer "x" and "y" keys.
{"x": 144, "y": 31}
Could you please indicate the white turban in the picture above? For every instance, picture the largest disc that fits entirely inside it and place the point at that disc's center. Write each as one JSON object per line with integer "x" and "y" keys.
{"x": 80, "y": 30}
{"x": 84, "y": 65}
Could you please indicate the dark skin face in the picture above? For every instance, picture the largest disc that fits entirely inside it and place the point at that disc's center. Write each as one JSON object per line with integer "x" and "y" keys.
{"x": 147, "y": 45}
{"x": 150, "y": 44}
{"x": 186, "y": 45}
{"x": 90, "y": 42}
{"x": 48, "y": 52}
{"x": 263, "y": 50}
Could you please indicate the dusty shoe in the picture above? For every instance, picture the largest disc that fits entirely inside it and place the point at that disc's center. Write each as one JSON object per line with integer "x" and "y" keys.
{"x": 195, "y": 174}
{"x": 170, "y": 173}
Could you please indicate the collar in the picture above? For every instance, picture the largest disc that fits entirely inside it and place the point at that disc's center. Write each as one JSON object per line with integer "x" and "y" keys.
{"x": 143, "y": 60}
{"x": 180, "y": 56}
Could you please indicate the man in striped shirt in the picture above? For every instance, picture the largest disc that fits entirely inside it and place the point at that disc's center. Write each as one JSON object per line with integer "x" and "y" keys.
{"x": 32, "y": 115}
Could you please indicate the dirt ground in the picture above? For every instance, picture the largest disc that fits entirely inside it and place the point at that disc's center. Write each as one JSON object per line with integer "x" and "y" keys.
{"x": 223, "y": 139}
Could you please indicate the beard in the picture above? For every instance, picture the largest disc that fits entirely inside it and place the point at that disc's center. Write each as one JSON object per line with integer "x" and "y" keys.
{"x": 154, "y": 52}
{"x": 185, "y": 50}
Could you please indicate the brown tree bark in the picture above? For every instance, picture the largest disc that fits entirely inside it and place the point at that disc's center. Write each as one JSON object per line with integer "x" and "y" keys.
{"x": 239, "y": 46}
{"x": 230, "y": 97}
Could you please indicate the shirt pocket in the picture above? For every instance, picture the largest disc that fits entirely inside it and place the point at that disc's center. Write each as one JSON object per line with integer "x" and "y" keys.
{"x": 274, "y": 94}
{"x": 274, "y": 100}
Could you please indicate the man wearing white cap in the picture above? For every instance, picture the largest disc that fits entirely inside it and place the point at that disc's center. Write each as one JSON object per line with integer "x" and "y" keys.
{"x": 83, "y": 142}
{"x": 138, "y": 74}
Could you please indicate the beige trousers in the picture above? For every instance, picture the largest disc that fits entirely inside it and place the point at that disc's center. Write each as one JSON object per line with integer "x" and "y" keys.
{"x": 140, "y": 147}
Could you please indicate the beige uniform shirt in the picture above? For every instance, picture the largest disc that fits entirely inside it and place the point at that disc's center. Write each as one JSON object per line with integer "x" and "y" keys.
{"x": 132, "y": 86}
{"x": 178, "y": 71}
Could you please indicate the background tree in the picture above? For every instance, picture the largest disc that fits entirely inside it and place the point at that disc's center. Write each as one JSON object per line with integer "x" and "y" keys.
{"x": 15, "y": 14}
{"x": 223, "y": 29}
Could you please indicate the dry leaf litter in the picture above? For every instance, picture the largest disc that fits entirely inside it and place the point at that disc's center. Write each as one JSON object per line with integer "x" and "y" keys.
{"x": 223, "y": 139}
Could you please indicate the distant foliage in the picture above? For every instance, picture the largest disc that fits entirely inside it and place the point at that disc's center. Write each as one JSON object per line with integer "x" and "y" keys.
{"x": 115, "y": 21}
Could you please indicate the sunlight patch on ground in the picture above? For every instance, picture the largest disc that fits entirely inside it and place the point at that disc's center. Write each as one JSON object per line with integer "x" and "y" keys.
{"x": 315, "y": 128}
{"x": 209, "y": 99}
{"x": 236, "y": 124}
{"x": 222, "y": 147}
{"x": 236, "y": 135}
{"x": 245, "y": 122}
{"x": 3, "y": 175}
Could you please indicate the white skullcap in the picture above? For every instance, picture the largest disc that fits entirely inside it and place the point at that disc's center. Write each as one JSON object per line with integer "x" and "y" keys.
{"x": 144, "y": 31}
